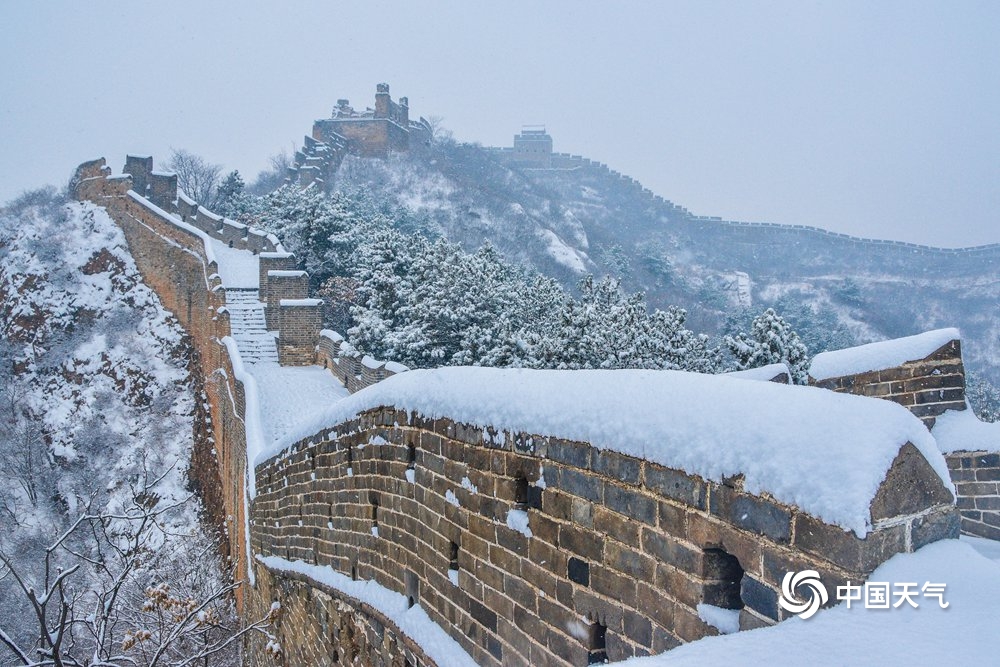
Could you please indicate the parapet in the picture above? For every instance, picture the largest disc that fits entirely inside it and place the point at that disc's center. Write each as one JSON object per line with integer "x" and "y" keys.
{"x": 588, "y": 498}
{"x": 139, "y": 167}
{"x": 923, "y": 373}
{"x": 926, "y": 375}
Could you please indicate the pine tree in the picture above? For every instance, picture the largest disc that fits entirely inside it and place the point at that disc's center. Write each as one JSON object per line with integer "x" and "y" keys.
{"x": 771, "y": 340}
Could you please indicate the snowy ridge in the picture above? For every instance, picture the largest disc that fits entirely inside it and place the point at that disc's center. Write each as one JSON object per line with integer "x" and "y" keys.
{"x": 823, "y": 452}
{"x": 881, "y": 355}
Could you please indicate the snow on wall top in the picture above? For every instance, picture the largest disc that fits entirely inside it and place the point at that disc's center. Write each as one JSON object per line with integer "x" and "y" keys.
{"x": 825, "y": 452}
{"x": 878, "y": 356}
{"x": 961, "y": 430}
{"x": 763, "y": 373}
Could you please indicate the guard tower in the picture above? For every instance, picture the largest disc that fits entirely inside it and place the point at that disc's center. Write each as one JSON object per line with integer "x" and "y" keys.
{"x": 532, "y": 147}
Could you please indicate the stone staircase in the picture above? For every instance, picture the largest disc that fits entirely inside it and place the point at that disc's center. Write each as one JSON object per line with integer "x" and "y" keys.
{"x": 246, "y": 319}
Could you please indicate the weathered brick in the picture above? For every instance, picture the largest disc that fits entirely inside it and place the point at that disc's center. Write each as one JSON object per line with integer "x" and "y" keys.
{"x": 615, "y": 525}
{"x": 933, "y": 527}
{"x": 628, "y": 561}
{"x": 636, "y": 506}
{"x": 759, "y": 597}
{"x": 579, "y": 571}
{"x": 617, "y": 466}
{"x": 988, "y": 503}
{"x": 675, "y": 484}
{"x": 751, "y": 513}
{"x": 581, "y": 484}
{"x": 671, "y": 551}
{"x": 571, "y": 453}
{"x": 637, "y": 628}
{"x": 606, "y": 581}
{"x": 581, "y": 542}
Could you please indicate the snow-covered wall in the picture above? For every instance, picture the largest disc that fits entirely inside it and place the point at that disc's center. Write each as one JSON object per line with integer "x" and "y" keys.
{"x": 176, "y": 259}
{"x": 529, "y": 546}
{"x": 354, "y": 369}
{"x": 923, "y": 373}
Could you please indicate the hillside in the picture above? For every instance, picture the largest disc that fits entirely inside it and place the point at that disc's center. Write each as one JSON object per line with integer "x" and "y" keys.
{"x": 581, "y": 217}
{"x": 97, "y": 417}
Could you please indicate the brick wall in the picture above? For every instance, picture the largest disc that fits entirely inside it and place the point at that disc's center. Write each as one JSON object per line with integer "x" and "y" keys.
{"x": 926, "y": 387}
{"x": 299, "y": 322}
{"x": 977, "y": 480}
{"x": 172, "y": 261}
{"x": 620, "y": 546}
{"x": 320, "y": 628}
{"x": 283, "y": 284}
{"x": 355, "y": 370}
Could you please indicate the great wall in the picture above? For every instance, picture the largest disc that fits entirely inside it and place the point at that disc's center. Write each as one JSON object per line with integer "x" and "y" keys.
{"x": 525, "y": 547}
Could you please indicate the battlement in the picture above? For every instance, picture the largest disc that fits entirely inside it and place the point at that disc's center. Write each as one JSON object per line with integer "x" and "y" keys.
{"x": 373, "y": 132}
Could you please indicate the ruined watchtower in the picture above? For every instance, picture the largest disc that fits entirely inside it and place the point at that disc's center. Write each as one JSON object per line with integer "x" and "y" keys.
{"x": 372, "y": 132}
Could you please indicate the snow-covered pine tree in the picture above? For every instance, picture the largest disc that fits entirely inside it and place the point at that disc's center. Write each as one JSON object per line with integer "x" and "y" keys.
{"x": 771, "y": 340}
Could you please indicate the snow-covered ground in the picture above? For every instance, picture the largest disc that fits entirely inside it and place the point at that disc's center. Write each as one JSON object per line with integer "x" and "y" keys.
{"x": 291, "y": 395}
{"x": 287, "y": 395}
{"x": 965, "y": 633}
{"x": 237, "y": 268}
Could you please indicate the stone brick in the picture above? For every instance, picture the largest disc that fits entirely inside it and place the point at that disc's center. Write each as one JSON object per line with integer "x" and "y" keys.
{"x": 750, "y": 513}
{"x": 616, "y": 526}
{"x": 681, "y": 586}
{"x": 628, "y": 561}
{"x": 606, "y": 581}
{"x": 579, "y": 571}
{"x": 933, "y": 527}
{"x": 910, "y": 486}
{"x": 637, "y": 628}
{"x": 986, "y": 474}
{"x": 671, "y": 551}
{"x": 637, "y": 506}
{"x": 675, "y": 484}
{"x": 689, "y": 627}
{"x": 988, "y": 503}
{"x": 584, "y": 544}
{"x": 617, "y": 466}
{"x": 571, "y": 453}
{"x": 581, "y": 484}
{"x": 759, "y": 597}
{"x": 673, "y": 519}
{"x": 749, "y": 621}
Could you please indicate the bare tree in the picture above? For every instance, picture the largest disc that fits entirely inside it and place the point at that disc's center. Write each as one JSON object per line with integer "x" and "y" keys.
{"x": 132, "y": 609}
{"x": 198, "y": 178}
{"x": 438, "y": 131}
{"x": 24, "y": 456}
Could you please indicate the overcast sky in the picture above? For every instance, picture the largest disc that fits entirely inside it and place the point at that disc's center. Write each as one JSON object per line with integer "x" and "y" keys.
{"x": 876, "y": 119}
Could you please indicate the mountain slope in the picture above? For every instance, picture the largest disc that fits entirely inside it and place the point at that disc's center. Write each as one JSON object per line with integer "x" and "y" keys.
{"x": 583, "y": 218}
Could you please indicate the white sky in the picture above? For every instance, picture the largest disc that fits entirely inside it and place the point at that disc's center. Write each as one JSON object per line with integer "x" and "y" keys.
{"x": 877, "y": 119}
